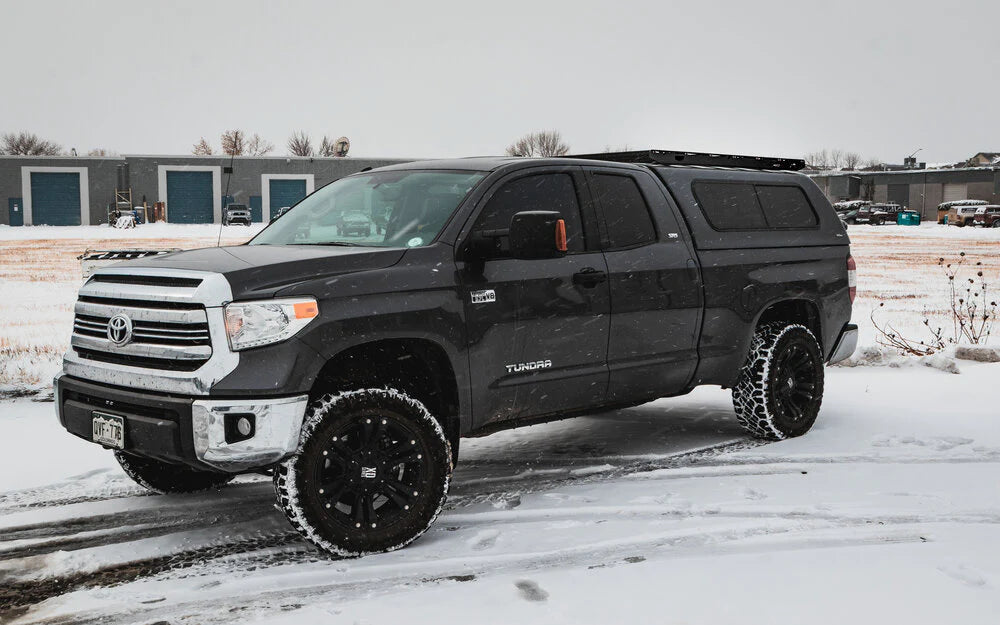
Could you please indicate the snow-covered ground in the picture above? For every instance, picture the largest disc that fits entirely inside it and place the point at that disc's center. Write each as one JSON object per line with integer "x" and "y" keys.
{"x": 887, "y": 511}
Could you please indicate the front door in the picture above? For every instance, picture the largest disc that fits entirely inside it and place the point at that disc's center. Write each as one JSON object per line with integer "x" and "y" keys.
{"x": 15, "y": 211}
{"x": 538, "y": 329}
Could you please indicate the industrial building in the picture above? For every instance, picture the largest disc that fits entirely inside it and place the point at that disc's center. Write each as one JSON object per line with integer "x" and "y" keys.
{"x": 918, "y": 189}
{"x": 73, "y": 191}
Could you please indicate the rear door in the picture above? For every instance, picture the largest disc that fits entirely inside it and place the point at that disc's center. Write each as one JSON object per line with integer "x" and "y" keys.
{"x": 656, "y": 296}
{"x": 538, "y": 329}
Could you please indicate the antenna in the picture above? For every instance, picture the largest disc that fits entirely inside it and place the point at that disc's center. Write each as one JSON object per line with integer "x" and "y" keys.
{"x": 222, "y": 218}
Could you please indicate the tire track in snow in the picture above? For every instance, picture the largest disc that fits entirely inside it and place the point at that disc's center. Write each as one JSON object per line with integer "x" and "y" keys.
{"x": 27, "y": 593}
{"x": 382, "y": 579}
{"x": 106, "y": 529}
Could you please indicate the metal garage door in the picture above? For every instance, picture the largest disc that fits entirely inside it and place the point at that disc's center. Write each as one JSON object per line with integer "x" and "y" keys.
{"x": 255, "y": 204}
{"x": 955, "y": 191}
{"x": 189, "y": 197}
{"x": 55, "y": 199}
{"x": 899, "y": 194}
{"x": 285, "y": 193}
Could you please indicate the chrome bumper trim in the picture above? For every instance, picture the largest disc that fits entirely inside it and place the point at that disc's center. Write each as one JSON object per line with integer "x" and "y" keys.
{"x": 846, "y": 344}
{"x": 276, "y": 435}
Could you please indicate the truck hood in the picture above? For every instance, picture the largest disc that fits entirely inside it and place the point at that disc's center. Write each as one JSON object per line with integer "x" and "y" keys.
{"x": 261, "y": 270}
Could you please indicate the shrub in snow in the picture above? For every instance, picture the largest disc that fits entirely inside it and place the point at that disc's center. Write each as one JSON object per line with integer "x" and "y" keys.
{"x": 971, "y": 313}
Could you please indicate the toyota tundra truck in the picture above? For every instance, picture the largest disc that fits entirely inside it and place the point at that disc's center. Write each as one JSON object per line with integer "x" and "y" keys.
{"x": 501, "y": 292}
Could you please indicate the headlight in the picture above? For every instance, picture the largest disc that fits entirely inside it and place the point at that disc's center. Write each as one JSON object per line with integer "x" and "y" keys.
{"x": 251, "y": 324}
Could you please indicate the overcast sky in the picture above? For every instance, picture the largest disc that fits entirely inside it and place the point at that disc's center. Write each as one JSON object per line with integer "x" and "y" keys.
{"x": 465, "y": 78}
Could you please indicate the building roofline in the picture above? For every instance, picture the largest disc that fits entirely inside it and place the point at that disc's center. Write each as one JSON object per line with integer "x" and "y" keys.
{"x": 903, "y": 171}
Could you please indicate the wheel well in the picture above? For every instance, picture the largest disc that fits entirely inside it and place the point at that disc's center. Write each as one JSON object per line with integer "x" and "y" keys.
{"x": 795, "y": 311}
{"x": 418, "y": 367}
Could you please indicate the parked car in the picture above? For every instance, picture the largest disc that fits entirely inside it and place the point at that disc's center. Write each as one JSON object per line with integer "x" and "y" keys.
{"x": 237, "y": 214}
{"x": 945, "y": 209}
{"x": 877, "y": 214}
{"x": 848, "y": 209}
{"x": 987, "y": 216}
{"x": 281, "y": 211}
{"x": 962, "y": 215}
{"x": 356, "y": 224}
{"x": 506, "y": 291}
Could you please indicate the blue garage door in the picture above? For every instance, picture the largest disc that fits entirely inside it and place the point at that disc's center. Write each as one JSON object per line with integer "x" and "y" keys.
{"x": 189, "y": 197}
{"x": 255, "y": 204}
{"x": 55, "y": 199}
{"x": 286, "y": 193}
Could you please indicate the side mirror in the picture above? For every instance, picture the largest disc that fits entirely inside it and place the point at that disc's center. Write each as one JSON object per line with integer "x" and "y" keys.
{"x": 537, "y": 234}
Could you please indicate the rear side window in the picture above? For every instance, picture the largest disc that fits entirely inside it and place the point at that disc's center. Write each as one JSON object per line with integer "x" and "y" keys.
{"x": 625, "y": 212}
{"x": 745, "y": 206}
{"x": 541, "y": 192}
{"x": 730, "y": 206}
{"x": 786, "y": 207}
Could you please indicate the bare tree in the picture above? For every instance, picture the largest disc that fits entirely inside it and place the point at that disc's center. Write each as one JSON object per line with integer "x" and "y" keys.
{"x": 28, "y": 144}
{"x": 102, "y": 152}
{"x": 327, "y": 147}
{"x": 818, "y": 160}
{"x": 851, "y": 160}
{"x": 836, "y": 159}
{"x": 202, "y": 148}
{"x": 258, "y": 146}
{"x": 871, "y": 163}
{"x": 299, "y": 144}
{"x": 233, "y": 142}
{"x": 542, "y": 143}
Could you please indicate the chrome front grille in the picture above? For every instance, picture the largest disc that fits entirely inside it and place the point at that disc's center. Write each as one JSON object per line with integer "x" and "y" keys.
{"x": 168, "y": 329}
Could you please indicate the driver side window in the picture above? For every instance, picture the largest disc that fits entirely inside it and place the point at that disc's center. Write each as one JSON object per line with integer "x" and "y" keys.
{"x": 540, "y": 192}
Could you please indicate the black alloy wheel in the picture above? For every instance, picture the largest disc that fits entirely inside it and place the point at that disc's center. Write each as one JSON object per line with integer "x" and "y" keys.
{"x": 371, "y": 474}
{"x": 793, "y": 382}
{"x": 371, "y": 471}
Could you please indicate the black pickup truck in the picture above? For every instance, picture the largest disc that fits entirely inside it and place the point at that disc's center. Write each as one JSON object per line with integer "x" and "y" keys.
{"x": 501, "y": 292}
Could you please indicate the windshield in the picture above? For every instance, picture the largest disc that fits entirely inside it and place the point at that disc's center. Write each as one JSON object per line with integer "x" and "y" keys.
{"x": 404, "y": 208}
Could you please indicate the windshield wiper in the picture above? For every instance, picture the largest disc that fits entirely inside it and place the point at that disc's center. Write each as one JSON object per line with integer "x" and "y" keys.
{"x": 337, "y": 243}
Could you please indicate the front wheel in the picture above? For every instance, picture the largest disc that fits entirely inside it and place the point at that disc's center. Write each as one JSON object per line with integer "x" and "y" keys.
{"x": 371, "y": 473}
{"x": 164, "y": 478}
{"x": 780, "y": 388}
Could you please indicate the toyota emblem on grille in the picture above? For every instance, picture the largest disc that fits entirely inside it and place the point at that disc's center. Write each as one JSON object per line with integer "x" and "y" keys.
{"x": 120, "y": 330}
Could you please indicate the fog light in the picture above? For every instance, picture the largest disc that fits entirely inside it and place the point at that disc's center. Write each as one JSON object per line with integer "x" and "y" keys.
{"x": 240, "y": 426}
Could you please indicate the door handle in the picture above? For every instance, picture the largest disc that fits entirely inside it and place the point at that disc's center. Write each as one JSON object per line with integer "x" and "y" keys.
{"x": 589, "y": 277}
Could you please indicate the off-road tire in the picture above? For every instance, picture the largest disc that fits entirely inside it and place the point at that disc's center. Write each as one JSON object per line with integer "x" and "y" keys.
{"x": 165, "y": 478}
{"x": 767, "y": 394}
{"x": 337, "y": 449}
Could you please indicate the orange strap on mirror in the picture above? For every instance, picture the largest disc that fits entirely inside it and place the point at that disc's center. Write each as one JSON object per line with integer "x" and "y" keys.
{"x": 561, "y": 235}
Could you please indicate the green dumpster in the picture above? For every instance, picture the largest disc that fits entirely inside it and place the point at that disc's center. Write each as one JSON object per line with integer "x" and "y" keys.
{"x": 908, "y": 218}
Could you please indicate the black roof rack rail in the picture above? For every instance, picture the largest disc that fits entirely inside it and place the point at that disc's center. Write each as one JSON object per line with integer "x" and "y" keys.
{"x": 672, "y": 157}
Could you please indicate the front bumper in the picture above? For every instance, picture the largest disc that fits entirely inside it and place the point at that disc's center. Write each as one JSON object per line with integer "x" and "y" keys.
{"x": 846, "y": 343}
{"x": 187, "y": 430}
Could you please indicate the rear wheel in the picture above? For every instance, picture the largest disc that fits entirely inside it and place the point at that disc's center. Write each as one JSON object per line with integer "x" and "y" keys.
{"x": 996, "y": 224}
{"x": 164, "y": 478}
{"x": 371, "y": 474}
{"x": 780, "y": 388}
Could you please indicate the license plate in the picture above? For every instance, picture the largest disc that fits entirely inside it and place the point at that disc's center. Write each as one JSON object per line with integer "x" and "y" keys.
{"x": 109, "y": 430}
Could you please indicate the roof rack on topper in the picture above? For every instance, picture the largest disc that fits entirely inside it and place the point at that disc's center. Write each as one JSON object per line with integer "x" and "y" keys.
{"x": 706, "y": 159}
